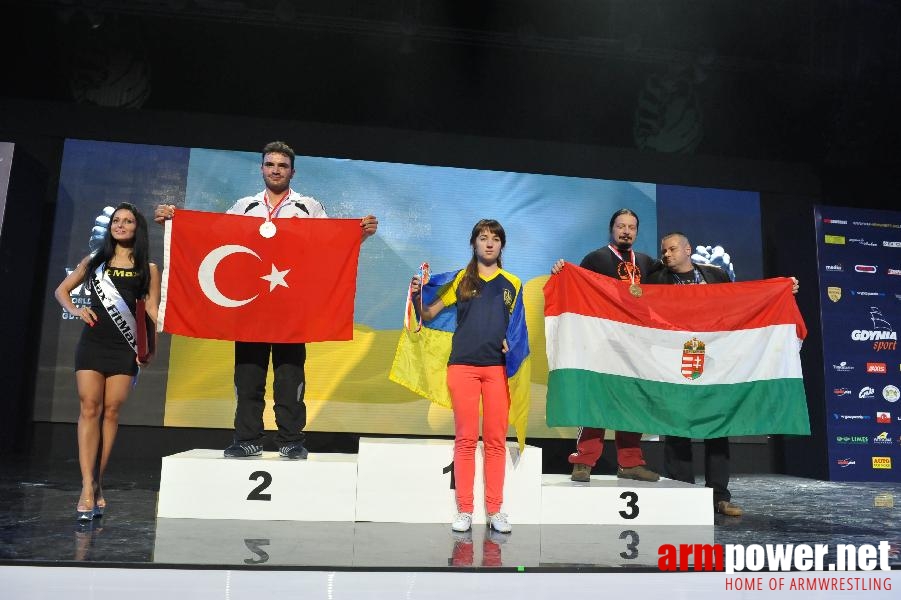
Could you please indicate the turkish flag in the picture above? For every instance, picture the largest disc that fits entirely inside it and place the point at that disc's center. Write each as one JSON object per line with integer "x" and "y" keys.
{"x": 223, "y": 280}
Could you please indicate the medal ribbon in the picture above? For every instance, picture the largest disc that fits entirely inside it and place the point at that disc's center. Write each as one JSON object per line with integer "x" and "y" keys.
{"x": 409, "y": 310}
{"x": 274, "y": 210}
{"x": 620, "y": 257}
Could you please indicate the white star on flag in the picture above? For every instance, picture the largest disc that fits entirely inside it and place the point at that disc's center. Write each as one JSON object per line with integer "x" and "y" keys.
{"x": 276, "y": 277}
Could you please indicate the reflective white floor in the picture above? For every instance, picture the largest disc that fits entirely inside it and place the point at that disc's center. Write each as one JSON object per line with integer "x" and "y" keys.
{"x": 90, "y": 583}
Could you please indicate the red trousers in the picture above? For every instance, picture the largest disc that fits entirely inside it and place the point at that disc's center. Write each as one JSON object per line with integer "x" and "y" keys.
{"x": 590, "y": 445}
{"x": 467, "y": 386}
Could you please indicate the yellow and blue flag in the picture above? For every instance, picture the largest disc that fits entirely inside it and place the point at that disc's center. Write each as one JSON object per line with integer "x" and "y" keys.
{"x": 420, "y": 362}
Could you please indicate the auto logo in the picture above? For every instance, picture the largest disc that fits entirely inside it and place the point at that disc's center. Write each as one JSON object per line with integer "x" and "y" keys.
{"x": 835, "y": 239}
{"x": 846, "y": 462}
{"x": 882, "y": 462}
{"x": 865, "y": 268}
{"x": 866, "y": 392}
{"x": 834, "y": 293}
{"x": 883, "y": 417}
{"x": 879, "y": 368}
{"x": 890, "y": 393}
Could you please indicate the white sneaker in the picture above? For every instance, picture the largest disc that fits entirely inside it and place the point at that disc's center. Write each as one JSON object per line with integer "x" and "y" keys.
{"x": 498, "y": 522}
{"x": 462, "y": 522}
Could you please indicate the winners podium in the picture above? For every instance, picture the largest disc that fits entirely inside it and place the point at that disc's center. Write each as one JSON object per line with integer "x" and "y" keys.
{"x": 411, "y": 481}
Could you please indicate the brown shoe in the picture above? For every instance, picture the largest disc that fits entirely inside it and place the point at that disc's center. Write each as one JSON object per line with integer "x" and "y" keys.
{"x": 724, "y": 507}
{"x": 581, "y": 473}
{"x": 640, "y": 473}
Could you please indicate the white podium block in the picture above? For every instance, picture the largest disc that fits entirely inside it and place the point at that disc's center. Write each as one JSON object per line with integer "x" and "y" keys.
{"x": 410, "y": 481}
{"x": 608, "y": 500}
{"x": 202, "y": 484}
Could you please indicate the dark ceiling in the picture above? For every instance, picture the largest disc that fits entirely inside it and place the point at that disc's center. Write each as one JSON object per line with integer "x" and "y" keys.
{"x": 806, "y": 80}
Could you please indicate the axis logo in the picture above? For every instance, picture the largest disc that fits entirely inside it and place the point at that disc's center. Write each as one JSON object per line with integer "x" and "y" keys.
{"x": 878, "y": 368}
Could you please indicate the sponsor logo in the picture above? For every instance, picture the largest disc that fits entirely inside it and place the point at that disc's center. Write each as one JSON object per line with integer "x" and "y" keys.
{"x": 852, "y": 439}
{"x": 844, "y": 367}
{"x": 835, "y": 239}
{"x": 882, "y": 462}
{"x": 882, "y": 225}
{"x": 834, "y": 293}
{"x": 867, "y": 293}
{"x": 861, "y": 241}
{"x": 891, "y": 271}
{"x": 887, "y": 244}
{"x": 881, "y": 334}
{"x": 891, "y": 393}
{"x": 838, "y": 268}
{"x": 882, "y": 438}
{"x": 846, "y": 462}
{"x": 883, "y": 417}
{"x": 835, "y": 221}
{"x": 865, "y": 268}
{"x": 879, "y": 368}
{"x": 841, "y": 392}
{"x": 693, "y": 358}
{"x": 837, "y": 416}
{"x": 866, "y": 392}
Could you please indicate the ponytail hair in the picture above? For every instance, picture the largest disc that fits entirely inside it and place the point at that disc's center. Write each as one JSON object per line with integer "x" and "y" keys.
{"x": 470, "y": 284}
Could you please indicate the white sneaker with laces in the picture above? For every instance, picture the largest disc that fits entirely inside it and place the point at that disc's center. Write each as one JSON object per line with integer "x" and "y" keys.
{"x": 462, "y": 522}
{"x": 498, "y": 522}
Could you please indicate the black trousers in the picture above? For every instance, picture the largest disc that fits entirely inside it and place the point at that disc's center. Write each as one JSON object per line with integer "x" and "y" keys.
{"x": 678, "y": 464}
{"x": 251, "y": 366}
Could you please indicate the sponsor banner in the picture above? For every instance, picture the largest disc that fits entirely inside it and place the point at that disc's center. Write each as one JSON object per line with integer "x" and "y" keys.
{"x": 860, "y": 310}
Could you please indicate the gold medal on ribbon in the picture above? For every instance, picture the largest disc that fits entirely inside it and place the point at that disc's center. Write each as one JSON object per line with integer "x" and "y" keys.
{"x": 635, "y": 290}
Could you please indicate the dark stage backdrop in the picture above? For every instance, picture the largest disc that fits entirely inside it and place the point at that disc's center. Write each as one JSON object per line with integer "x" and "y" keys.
{"x": 425, "y": 212}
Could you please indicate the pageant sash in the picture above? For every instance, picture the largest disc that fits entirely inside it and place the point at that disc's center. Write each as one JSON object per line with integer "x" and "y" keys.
{"x": 115, "y": 306}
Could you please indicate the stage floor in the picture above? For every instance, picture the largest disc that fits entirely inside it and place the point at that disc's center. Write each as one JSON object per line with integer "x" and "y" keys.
{"x": 37, "y": 527}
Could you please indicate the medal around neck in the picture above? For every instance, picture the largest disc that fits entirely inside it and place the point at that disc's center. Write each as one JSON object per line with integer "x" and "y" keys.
{"x": 635, "y": 290}
{"x": 267, "y": 229}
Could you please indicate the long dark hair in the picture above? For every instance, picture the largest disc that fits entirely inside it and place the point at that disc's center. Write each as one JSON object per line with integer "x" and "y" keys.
{"x": 139, "y": 251}
{"x": 470, "y": 284}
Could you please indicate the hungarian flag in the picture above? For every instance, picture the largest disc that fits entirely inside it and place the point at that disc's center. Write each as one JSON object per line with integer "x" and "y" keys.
{"x": 223, "y": 280}
{"x": 698, "y": 361}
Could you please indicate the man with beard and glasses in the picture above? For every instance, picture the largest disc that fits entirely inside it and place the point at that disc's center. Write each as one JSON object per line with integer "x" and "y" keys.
{"x": 618, "y": 260}
{"x": 675, "y": 252}
{"x": 276, "y": 201}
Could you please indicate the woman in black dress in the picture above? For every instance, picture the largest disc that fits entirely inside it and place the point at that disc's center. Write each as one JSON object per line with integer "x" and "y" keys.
{"x": 106, "y": 361}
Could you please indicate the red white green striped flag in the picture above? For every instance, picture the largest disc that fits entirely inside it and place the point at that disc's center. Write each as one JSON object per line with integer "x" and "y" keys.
{"x": 690, "y": 360}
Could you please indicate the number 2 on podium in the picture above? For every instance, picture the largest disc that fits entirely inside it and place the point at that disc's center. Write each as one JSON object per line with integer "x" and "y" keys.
{"x": 255, "y": 493}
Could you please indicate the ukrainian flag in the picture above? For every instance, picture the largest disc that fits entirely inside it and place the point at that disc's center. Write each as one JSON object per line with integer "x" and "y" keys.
{"x": 420, "y": 363}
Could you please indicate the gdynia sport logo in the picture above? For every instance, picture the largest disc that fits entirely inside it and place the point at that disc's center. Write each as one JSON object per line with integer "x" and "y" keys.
{"x": 733, "y": 558}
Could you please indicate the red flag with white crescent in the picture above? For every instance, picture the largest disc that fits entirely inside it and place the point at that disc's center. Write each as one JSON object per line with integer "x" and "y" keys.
{"x": 223, "y": 280}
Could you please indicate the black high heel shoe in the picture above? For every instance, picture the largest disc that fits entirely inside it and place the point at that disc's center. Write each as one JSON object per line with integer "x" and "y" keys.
{"x": 84, "y": 515}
